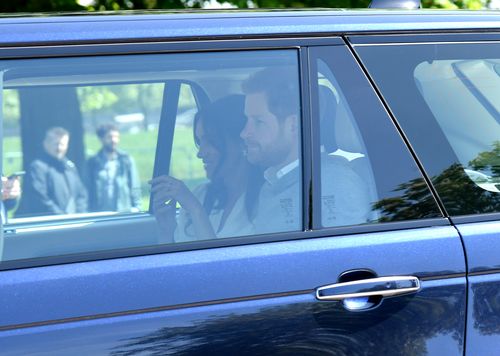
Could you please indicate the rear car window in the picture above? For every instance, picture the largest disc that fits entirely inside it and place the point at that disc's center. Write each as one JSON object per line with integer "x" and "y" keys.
{"x": 447, "y": 99}
{"x": 128, "y": 151}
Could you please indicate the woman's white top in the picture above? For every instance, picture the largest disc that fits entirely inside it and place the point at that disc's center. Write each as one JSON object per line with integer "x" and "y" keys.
{"x": 237, "y": 222}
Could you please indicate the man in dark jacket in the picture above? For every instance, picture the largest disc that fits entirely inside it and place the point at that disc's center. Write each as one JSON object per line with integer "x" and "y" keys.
{"x": 112, "y": 181}
{"x": 53, "y": 185}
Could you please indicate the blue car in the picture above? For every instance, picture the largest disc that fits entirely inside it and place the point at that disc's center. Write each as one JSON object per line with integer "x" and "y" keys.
{"x": 251, "y": 183}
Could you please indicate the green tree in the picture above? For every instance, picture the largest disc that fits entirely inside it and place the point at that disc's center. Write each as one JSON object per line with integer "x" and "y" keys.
{"x": 488, "y": 161}
{"x": 39, "y": 5}
{"x": 103, "y": 5}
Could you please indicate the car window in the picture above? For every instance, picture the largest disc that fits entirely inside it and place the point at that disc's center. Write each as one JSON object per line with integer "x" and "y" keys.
{"x": 446, "y": 97}
{"x": 367, "y": 173}
{"x": 113, "y": 152}
{"x": 235, "y": 165}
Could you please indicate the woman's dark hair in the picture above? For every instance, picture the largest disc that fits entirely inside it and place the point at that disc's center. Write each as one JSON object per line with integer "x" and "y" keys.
{"x": 223, "y": 121}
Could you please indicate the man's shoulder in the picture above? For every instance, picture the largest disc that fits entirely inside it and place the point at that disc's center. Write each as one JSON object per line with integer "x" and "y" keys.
{"x": 338, "y": 165}
{"x": 39, "y": 163}
{"x": 124, "y": 156}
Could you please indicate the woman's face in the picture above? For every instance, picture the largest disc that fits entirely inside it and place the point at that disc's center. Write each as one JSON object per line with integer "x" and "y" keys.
{"x": 207, "y": 152}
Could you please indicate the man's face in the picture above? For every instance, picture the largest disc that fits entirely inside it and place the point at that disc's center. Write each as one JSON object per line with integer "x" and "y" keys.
{"x": 268, "y": 140}
{"x": 111, "y": 140}
{"x": 56, "y": 146}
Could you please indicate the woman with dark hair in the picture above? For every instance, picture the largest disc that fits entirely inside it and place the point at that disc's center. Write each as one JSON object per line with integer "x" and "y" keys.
{"x": 222, "y": 207}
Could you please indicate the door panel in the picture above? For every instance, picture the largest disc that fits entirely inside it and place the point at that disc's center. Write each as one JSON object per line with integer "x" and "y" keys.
{"x": 259, "y": 298}
{"x": 482, "y": 243}
{"x": 296, "y": 324}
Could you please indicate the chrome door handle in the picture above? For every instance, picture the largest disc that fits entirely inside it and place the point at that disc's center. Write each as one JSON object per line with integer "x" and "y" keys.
{"x": 381, "y": 286}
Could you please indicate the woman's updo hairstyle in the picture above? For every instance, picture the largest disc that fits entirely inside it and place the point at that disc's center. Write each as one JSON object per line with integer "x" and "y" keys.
{"x": 223, "y": 121}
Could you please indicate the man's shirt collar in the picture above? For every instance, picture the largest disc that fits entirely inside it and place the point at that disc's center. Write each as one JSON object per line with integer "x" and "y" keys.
{"x": 272, "y": 176}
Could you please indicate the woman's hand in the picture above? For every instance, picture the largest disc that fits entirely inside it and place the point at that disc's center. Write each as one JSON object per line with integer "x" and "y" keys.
{"x": 168, "y": 190}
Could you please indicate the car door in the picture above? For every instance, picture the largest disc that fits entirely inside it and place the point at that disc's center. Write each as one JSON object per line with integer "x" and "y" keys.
{"x": 389, "y": 277}
{"x": 445, "y": 94}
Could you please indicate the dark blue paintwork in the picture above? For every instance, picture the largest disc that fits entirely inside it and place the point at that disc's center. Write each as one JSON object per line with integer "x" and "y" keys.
{"x": 298, "y": 325}
{"x": 482, "y": 242}
{"x": 260, "y": 325}
{"x": 35, "y": 30}
{"x": 215, "y": 274}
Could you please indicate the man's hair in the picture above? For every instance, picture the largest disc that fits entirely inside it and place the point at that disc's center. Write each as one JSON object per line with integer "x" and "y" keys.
{"x": 103, "y": 129}
{"x": 280, "y": 86}
{"x": 56, "y": 131}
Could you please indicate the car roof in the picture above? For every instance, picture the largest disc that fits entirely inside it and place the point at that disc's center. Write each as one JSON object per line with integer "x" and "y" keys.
{"x": 193, "y": 25}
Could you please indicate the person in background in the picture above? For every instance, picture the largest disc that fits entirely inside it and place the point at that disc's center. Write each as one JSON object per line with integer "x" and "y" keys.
{"x": 53, "y": 185}
{"x": 112, "y": 179}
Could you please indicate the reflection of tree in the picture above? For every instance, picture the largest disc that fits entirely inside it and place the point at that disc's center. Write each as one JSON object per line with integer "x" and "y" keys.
{"x": 415, "y": 202}
{"x": 399, "y": 326}
{"x": 459, "y": 194}
{"x": 488, "y": 161}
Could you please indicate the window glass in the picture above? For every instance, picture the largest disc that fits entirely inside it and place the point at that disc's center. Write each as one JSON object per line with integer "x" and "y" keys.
{"x": 367, "y": 173}
{"x": 126, "y": 151}
{"x": 447, "y": 98}
{"x": 235, "y": 165}
{"x": 184, "y": 163}
{"x": 472, "y": 124}
{"x": 79, "y": 150}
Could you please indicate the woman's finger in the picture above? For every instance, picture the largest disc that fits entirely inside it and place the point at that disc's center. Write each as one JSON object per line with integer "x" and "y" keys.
{"x": 164, "y": 206}
{"x": 163, "y": 179}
